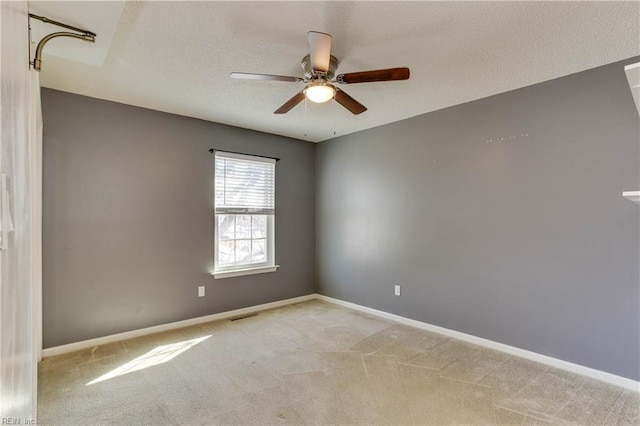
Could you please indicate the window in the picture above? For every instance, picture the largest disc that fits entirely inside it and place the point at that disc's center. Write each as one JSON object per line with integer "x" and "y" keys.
{"x": 244, "y": 214}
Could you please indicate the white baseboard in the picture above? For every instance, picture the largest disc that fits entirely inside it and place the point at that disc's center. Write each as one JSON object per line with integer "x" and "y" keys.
{"x": 522, "y": 353}
{"x": 71, "y": 347}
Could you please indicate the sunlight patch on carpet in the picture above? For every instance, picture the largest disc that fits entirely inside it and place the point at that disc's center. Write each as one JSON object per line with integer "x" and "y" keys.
{"x": 156, "y": 356}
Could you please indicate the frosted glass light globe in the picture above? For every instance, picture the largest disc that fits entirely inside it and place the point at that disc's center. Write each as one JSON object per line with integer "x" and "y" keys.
{"x": 319, "y": 92}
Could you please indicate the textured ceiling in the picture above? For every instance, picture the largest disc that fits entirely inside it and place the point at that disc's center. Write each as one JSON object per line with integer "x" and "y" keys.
{"x": 177, "y": 56}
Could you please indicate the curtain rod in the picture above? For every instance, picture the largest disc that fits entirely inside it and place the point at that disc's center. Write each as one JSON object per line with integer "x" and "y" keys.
{"x": 243, "y": 153}
{"x": 83, "y": 35}
{"x": 60, "y": 24}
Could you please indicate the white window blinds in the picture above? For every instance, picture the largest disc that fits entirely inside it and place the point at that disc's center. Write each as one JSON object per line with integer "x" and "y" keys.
{"x": 244, "y": 184}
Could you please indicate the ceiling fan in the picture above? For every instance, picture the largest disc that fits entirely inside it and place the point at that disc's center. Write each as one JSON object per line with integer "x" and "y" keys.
{"x": 319, "y": 68}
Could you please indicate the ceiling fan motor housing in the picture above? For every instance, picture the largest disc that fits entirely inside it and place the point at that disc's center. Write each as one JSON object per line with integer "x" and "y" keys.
{"x": 311, "y": 74}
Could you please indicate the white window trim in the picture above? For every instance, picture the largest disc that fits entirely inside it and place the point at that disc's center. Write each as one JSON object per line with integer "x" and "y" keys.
{"x": 241, "y": 272}
{"x": 250, "y": 269}
{"x": 270, "y": 263}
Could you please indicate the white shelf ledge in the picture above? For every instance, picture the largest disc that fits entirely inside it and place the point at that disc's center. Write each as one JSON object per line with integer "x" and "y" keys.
{"x": 633, "y": 75}
{"x": 632, "y": 196}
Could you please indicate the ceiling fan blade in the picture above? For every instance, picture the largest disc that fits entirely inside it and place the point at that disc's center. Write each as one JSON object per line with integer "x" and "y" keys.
{"x": 376, "y": 75}
{"x": 286, "y": 107}
{"x": 319, "y": 51}
{"x": 251, "y": 76}
{"x": 349, "y": 103}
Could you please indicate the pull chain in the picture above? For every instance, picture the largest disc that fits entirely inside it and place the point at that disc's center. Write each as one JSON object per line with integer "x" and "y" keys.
{"x": 306, "y": 118}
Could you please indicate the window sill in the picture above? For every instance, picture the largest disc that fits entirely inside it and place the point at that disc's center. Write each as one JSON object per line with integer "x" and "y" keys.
{"x": 241, "y": 272}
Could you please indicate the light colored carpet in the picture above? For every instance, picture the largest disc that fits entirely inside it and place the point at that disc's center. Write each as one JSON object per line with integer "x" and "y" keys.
{"x": 316, "y": 363}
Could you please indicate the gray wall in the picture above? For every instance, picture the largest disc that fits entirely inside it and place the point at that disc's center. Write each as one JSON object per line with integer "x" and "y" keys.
{"x": 128, "y": 218}
{"x": 502, "y": 218}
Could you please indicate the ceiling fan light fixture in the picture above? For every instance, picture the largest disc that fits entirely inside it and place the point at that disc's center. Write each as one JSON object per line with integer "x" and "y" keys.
{"x": 319, "y": 68}
{"x": 319, "y": 92}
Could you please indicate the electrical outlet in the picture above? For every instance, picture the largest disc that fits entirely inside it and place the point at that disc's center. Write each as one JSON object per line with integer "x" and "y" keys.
{"x": 201, "y": 291}
{"x": 397, "y": 290}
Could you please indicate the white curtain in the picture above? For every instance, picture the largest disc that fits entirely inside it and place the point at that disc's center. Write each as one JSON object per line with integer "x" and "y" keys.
{"x": 18, "y": 156}
{"x": 35, "y": 154}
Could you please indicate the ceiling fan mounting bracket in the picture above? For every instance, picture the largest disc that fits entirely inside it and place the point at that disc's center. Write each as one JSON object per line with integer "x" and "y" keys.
{"x": 312, "y": 74}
